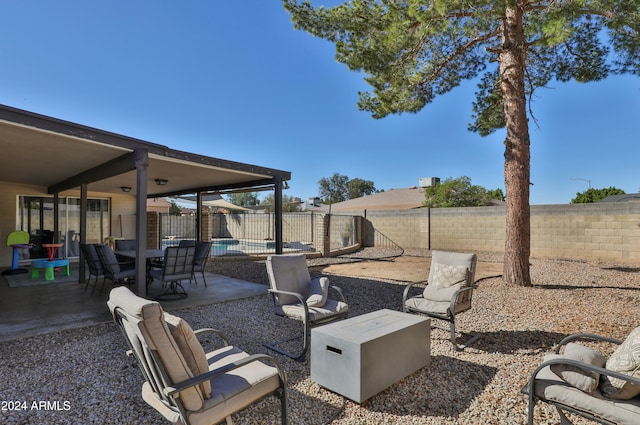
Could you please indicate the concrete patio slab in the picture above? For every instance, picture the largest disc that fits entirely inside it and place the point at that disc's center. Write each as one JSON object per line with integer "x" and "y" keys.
{"x": 32, "y": 310}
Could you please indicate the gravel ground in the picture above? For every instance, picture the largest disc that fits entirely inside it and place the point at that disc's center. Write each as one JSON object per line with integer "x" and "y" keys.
{"x": 86, "y": 378}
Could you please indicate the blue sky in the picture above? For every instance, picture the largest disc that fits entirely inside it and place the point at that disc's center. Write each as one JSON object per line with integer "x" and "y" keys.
{"x": 234, "y": 80}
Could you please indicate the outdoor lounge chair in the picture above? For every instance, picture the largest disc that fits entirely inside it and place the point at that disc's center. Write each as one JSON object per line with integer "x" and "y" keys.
{"x": 297, "y": 296}
{"x": 448, "y": 292}
{"x": 182, "y": 382}
{"x": 581, "y": 381}
{"x": 177, "y": 266}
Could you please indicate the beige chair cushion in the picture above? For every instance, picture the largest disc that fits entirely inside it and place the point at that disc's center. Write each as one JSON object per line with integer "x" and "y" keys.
{"x": 319, "y": 292}
{"x": 155, "y": 333}
{"x": 435, "y": 307}
{"x": 235, "y": 389}
{"x": 550, "y": 387}
{"x": 330, "y": 308}
{"x": 626, "y": 360}
{"x": 582, "y": 379}
{"x": 191, "y": 349}
{"x": 438, "y": 293}
{"x": 291, "y": 274}
{"x": 453, "y": 259}
{"x": 445, "y": 275}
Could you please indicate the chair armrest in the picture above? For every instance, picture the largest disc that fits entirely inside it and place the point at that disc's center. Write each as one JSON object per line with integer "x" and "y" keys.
{"x": 295, "y": 294}
{"x": 459, "y": 294}
{"x": 405, "y": 294}
{"x": 172, "y": 391}
{"x": 204, "y": 331}
{"x": 301, "y": 300}
{"x": 530, "y": 387}
{"x": 338, "y": 290}
{"x": 585, "y": 336}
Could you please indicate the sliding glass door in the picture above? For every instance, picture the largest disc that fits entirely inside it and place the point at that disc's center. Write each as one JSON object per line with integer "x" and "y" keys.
{"x": 35, "y": 215}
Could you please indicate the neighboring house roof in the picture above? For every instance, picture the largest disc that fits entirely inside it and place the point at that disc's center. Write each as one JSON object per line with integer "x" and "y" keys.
{"x": 622, "y": 198}
{"x": 60, "y": 155}
{"x": 393, "y": 199}
{"x": 160, "y": 205}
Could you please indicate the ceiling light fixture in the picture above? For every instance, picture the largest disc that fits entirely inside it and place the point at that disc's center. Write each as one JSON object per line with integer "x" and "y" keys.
{"x": 161, "y": 182}
{"x": 125, "y": 188}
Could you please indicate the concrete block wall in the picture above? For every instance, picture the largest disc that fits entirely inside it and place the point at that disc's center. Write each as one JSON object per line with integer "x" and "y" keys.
{"x": 406, "y": 228}
{"x": 476, "y": 228}
{"x": 600, "y": 231}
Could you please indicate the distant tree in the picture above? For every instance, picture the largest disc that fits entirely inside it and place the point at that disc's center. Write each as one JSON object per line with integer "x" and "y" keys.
{"x": 358, "y": 188}
{"x": 334, "y": 189}
{"x": 338, "y": 188}
{"x": 455, "y": 193}
{"x": 174, "y": 209}
{"x": 289, "y": 203}
{"x": 244, "y": 199}
{"x": 594, "y": 195}
{"x": 496, "y": 194}
{"x": 411, "y": 52}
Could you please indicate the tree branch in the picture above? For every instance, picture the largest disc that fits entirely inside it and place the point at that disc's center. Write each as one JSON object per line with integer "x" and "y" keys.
{"x": 459, "y": 51}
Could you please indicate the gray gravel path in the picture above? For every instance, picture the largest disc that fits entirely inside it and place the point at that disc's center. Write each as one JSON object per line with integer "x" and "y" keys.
{"x": 87, "y": 379}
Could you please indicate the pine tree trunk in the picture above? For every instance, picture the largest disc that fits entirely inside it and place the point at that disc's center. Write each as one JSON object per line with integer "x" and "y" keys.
{"x": 517, "y": 150}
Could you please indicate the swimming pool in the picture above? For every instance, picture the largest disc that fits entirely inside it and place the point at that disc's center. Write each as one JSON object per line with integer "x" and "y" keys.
{"x": 241, "y": 247}
{"x": 229, "y": 246}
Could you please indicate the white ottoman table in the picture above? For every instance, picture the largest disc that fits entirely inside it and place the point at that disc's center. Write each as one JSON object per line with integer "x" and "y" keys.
{"x": 361, "y": 356}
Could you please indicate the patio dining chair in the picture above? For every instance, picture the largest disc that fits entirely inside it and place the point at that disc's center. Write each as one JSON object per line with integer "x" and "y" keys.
{"x": 94, "y": 264}
{"x": 184, "y": 383}
{"x": 201, "y": 256}
{"x": 177, "y": 266}
{"x": 118, "y": 272}
{"x": 297, "y": 296}
{"x": 448, "y": 292}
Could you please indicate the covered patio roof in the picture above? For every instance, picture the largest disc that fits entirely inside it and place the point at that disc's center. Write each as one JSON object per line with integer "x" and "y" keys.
{"x": 60, "y": 155}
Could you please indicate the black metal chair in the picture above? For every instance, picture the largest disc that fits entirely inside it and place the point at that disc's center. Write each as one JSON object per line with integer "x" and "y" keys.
{"x": 118, "y": 272}
{"x": 201, "y": 256}
{"x": 94, "y": 264}
{"x": 177, "y": 266}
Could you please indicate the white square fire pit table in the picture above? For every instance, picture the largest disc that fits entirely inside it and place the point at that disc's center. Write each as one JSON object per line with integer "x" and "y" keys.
{"x": 361, "y": 356}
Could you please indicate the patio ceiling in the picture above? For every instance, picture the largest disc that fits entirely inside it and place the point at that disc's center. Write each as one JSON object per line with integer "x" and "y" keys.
{"x": 56, "y": 154}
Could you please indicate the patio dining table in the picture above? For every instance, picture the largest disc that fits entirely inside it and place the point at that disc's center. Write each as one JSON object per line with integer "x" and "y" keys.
{"x": 151, "y": 254}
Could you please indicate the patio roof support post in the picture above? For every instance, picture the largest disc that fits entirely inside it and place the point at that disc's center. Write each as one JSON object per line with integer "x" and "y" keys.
{"x": 56, "y": 216}
{"x": 142, "y": 164}
{"x": 198, "y": 216}
{"x": 83, "y": 231}
{"x": 278, "y": 214}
